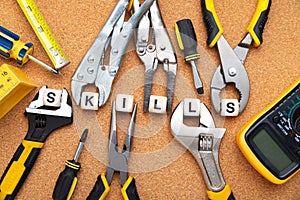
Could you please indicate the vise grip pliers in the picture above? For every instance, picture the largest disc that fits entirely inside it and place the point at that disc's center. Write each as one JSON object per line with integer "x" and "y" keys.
{"x": 153, "y": 46}
{"x": 204, "y": 143}
{"x": 231, "y": 69}
{"x": 115, "y": 31}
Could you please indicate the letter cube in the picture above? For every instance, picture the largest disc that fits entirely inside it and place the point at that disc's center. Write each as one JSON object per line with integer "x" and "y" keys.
{"x": 124, "y": 103}
{"x": 230, "y": 107}
{"x": 191, "y": 107}
{"x": 89, "y": 101}
{"x": 158, "y": 104}
{"x": 52, "y": 97}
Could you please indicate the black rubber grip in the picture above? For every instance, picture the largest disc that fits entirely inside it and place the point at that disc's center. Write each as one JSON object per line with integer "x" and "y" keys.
{"x": 231, "y": 197}
{"x": 97, "y": 190}
{"x": 131, "y": 191}
{"x": 188, "y": 38}
{"x": 28, "y": 164}
{"x": 65, "y": 181}
{"x": 210, "y": 22}
{"x": 261, "y": 22}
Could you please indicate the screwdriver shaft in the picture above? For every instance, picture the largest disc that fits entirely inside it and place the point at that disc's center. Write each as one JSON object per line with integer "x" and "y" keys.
{"x": 80, "y": 145}
{"x": 43, "y": 64}
{"x": 197, "y": 79}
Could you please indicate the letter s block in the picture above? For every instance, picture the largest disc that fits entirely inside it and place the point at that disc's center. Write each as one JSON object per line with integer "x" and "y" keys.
{"x": 52, "y": 97}
{"x": 89, "y": 101}
{"x": 230, "y": 107}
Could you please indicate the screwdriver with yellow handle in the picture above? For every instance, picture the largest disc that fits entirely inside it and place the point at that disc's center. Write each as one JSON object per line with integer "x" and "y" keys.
{"x": 187, "y": 41}
{"x": 67, "y": 180}
{"x": 12, "y": 47}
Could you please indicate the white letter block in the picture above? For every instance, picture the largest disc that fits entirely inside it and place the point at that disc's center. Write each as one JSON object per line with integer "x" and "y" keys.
{"x": 124, "y": 103}
{"x": 89, "y": 101}
{"x": 158, "y": 104}
{"x": 191, "y": 107}
{"x": 230, "y": 107}
{"x": 52, "y": 97}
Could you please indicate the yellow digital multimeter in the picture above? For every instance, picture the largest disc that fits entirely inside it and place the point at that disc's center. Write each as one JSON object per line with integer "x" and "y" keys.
{"x": 271, "y": 140}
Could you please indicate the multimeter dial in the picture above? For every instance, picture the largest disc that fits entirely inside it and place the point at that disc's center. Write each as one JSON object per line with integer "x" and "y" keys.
{"x": 295, "y": 119}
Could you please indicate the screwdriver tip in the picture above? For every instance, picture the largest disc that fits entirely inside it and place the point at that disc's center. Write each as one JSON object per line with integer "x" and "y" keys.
{"x": 84, "y": 135}
{"x": 200, "y": 90}
{"x": 56, "y": 72}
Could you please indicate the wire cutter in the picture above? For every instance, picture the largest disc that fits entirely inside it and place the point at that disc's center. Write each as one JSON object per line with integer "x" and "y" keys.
{"x": 92, "y": 70}
{"x": 153, "y": 46}
{"x": 231, "y": 69}
{"x": 118, "y": 162}
{"x": 204, "y": 143}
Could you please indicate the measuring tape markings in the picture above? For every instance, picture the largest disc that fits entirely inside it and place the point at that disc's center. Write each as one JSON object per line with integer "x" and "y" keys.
{"x": 44, "y": 33}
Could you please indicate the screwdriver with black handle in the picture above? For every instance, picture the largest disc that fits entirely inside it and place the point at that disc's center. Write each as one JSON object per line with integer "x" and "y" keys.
{"x": 187, "y": 42}
{"x": 12, "y": 47}
{"x": 67, "y": 180}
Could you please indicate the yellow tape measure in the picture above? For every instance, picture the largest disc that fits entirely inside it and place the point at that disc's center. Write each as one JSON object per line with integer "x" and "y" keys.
{"x": 43, "y": 32}
{"x": 14, "y": 86}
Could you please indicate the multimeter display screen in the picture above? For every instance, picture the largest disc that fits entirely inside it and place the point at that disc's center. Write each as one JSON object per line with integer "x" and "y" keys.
{"x": 271, "y": 150}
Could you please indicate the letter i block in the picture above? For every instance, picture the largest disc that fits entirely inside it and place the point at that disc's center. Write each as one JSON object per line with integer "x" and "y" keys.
{"x": 124, "y": 103}
{"x": 89, "y": 101}
{"x": 191, "y": 107}
{"x": 158, "y": 104}
{"x": 230, "y": 107}
{"x": 52, "y": 97}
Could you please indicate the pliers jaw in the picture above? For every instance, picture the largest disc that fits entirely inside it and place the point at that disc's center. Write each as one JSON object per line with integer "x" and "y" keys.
{"x": 154, "y": 47}
{"x": 231, "y": 70}
{"x": 117, "y": 33}
{"x": 118, "y": 162}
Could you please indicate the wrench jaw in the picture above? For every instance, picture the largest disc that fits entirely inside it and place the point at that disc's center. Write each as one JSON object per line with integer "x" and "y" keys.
{"x": 241, "y": 83}
{"x": 203, "y": 142}
{"x": 42, "y": 120}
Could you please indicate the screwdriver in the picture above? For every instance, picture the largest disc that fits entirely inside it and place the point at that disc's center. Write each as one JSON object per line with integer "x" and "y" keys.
{"x": 67, "y": 179}
{"x": 12, "y": 47}
{"x": 187, "y": 41}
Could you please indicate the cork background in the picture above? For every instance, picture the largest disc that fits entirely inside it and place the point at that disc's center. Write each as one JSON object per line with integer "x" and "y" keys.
{"x": 161, "y": 166}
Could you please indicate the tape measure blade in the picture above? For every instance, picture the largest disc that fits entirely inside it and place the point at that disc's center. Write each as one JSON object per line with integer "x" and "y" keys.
{"x": 43, "y": 33}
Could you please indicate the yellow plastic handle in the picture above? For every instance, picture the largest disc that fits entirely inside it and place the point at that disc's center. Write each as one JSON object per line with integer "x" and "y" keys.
{"x": 100, "y": 189}
{"x": 259, "y": 20}
{"x": 213, "y": 25}
{"x": 18, "y": 168}
{"x": 225, "y": 194}
{"x": 129, "y": 191}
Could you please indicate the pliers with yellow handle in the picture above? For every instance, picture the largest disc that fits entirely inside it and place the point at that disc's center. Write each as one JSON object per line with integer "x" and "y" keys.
{"x": 117, "y": 162}
{"x": 231, "y": 69}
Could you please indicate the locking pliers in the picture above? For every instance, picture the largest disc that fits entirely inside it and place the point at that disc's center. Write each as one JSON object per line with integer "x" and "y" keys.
{"x": 204, "y": 143}
{"x": 92, "y": 70}
{"x": 153, "y": 46}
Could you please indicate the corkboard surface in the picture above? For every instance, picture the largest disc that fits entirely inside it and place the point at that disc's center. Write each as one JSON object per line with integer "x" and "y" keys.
{"x": 163, "y": 170}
